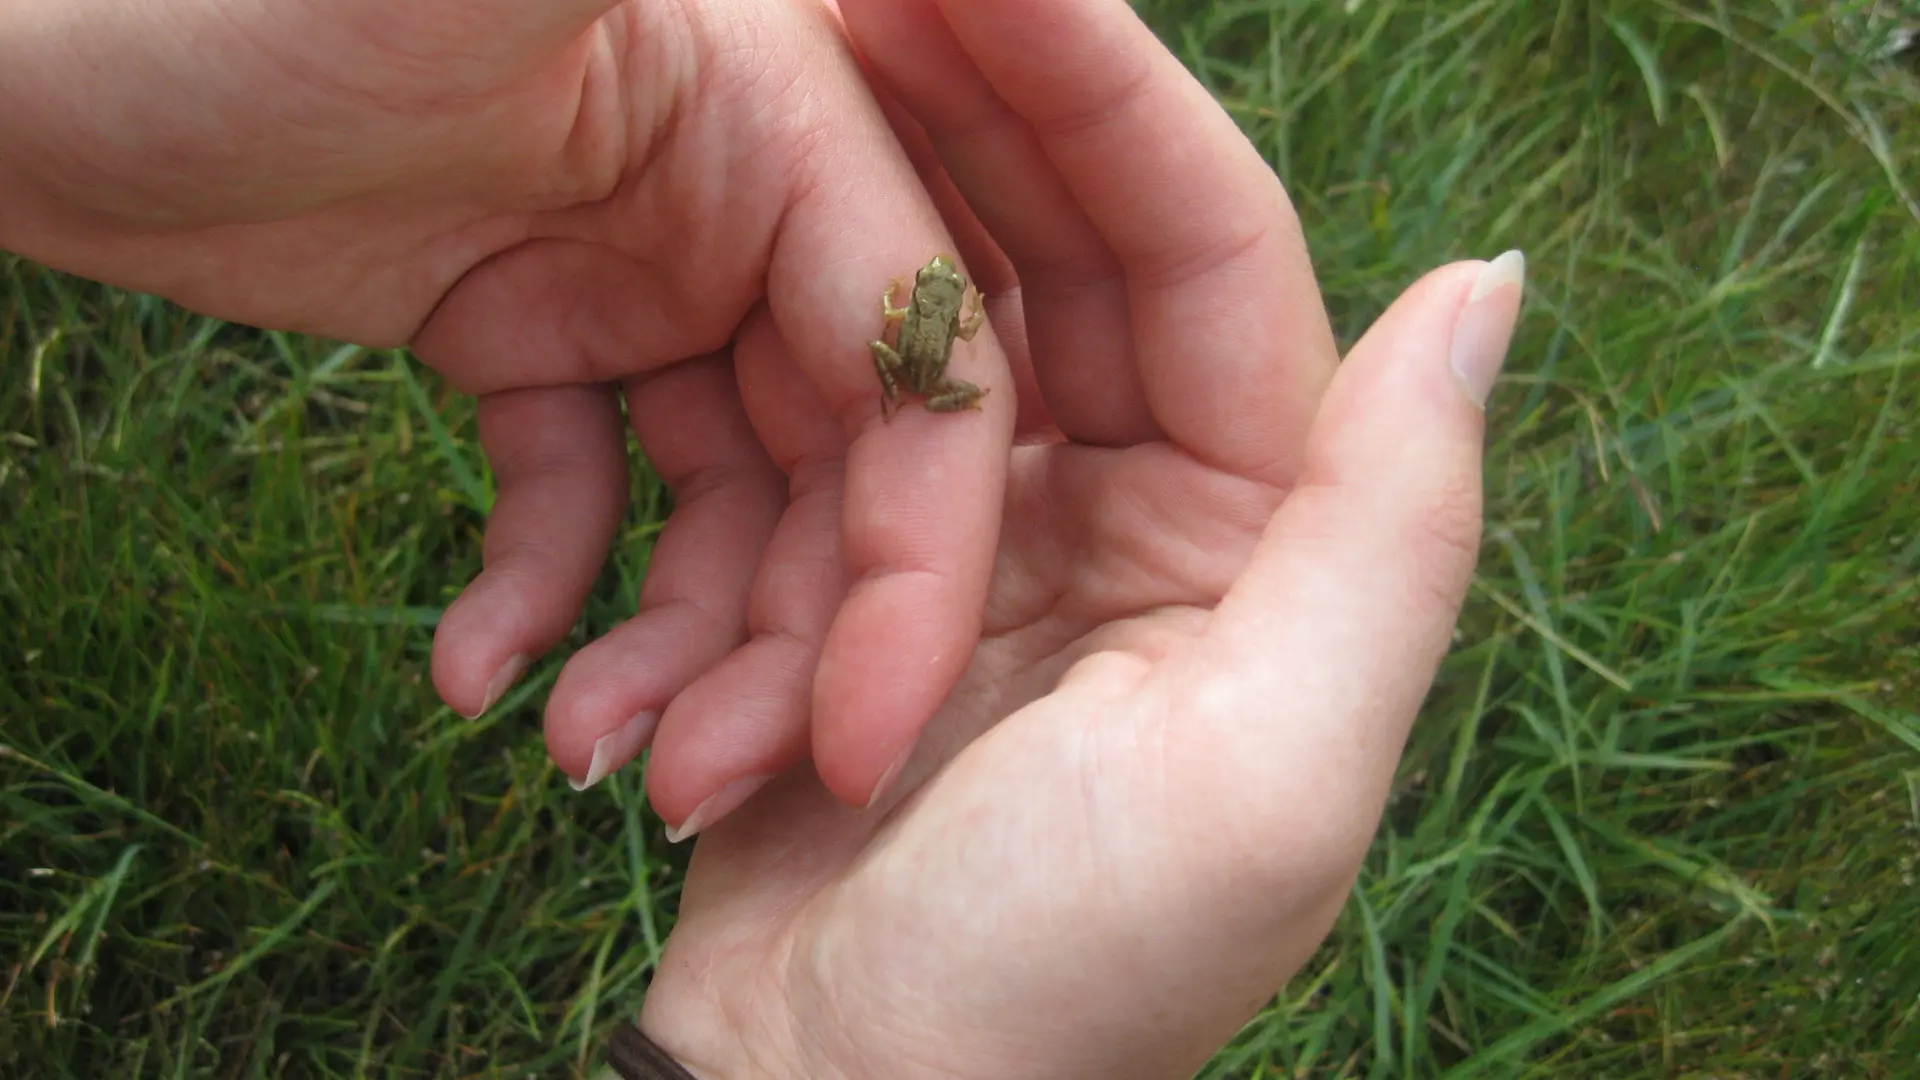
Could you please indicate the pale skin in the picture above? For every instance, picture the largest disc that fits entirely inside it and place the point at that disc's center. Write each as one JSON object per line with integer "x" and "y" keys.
{"x": 514, "y": 189}
{"x": 1212, "y": 564}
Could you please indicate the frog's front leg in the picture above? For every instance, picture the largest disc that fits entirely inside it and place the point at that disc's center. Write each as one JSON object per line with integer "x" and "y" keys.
{"x": 954, "y": 395}
{"x": 888, "y": 364}
{"x": 891, "y": 313}
{"x": 970, "y": 325}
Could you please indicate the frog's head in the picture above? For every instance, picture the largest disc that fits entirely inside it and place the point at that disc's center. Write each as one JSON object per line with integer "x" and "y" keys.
{"x": 939, "y": 278}
{"x": 939, "y": 271}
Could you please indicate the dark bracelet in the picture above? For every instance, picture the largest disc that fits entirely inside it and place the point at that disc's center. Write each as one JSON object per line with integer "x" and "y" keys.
{"x": 635, "y": 1057}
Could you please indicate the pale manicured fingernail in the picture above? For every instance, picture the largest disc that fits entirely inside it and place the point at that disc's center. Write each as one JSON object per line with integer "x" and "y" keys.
{"x": 888, "y": 778}
{"x": 616, "y": 748}
{"x": 502, "y": 682}
{"x": 1484, "y": 327}
{"x": 718, "y": 805}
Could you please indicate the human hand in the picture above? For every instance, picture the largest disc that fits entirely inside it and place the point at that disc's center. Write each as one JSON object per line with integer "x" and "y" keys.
{"x": 1229, "y": 567}
{"x": 696, "y": 205}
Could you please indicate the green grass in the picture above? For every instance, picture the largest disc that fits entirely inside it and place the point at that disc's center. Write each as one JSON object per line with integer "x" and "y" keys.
{"x": 1661, "y": 818}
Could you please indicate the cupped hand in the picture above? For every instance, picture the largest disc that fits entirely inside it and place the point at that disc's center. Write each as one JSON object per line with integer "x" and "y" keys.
{"x": 1229, "y": 566}
{"x": 691, "y": 205}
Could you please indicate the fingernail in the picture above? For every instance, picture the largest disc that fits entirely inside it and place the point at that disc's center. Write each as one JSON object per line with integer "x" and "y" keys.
{"x": 616, "y": 748}
{"x": 887, "y": 778}
{"x": 502, "y": 681}
{"x": 718, "y": 805}
{"x": 1484, "y": 327}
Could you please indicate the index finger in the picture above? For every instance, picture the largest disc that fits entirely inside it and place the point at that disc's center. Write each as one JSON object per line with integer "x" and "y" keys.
{"x": 923, "y": 491}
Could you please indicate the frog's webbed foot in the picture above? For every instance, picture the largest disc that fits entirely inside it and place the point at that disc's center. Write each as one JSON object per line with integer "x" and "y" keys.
{"x": 887, "y": 363}
{"x": 970, "y": 325}
{"x": 955, "y": 395}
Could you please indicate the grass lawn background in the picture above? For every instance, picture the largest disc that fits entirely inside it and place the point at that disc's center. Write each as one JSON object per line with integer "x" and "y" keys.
{"x": 1661, "y": 816}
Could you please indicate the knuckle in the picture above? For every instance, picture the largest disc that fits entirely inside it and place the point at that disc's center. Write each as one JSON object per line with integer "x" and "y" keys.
{"x": 1444, "y": 538}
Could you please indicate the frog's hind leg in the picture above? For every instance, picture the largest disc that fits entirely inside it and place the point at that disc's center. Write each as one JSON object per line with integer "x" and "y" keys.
{"x": 955, "y": 395}
{"x": 887, "y": 363}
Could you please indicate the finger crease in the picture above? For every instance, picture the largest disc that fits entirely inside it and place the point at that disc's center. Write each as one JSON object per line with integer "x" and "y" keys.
{"x": 1174, "y": 268}
{"x": 1123, "y": 98}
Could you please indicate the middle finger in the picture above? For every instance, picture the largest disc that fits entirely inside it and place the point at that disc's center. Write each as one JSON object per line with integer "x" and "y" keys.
{"x": 1071, "y": 288}
{"x": 1066, "y": 117}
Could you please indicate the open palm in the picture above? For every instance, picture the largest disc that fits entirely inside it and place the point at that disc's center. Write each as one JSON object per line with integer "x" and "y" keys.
{"x": 1227, "y": 570}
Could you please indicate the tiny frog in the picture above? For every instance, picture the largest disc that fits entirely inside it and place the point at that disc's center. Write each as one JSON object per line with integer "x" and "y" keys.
{"x": 928, "y": 324}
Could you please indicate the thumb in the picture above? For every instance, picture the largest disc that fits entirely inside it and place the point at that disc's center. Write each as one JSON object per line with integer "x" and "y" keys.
{"x": 310, "y": 102}
{"x": 482, "y": 38}
{"x": 1325, "y": 648}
